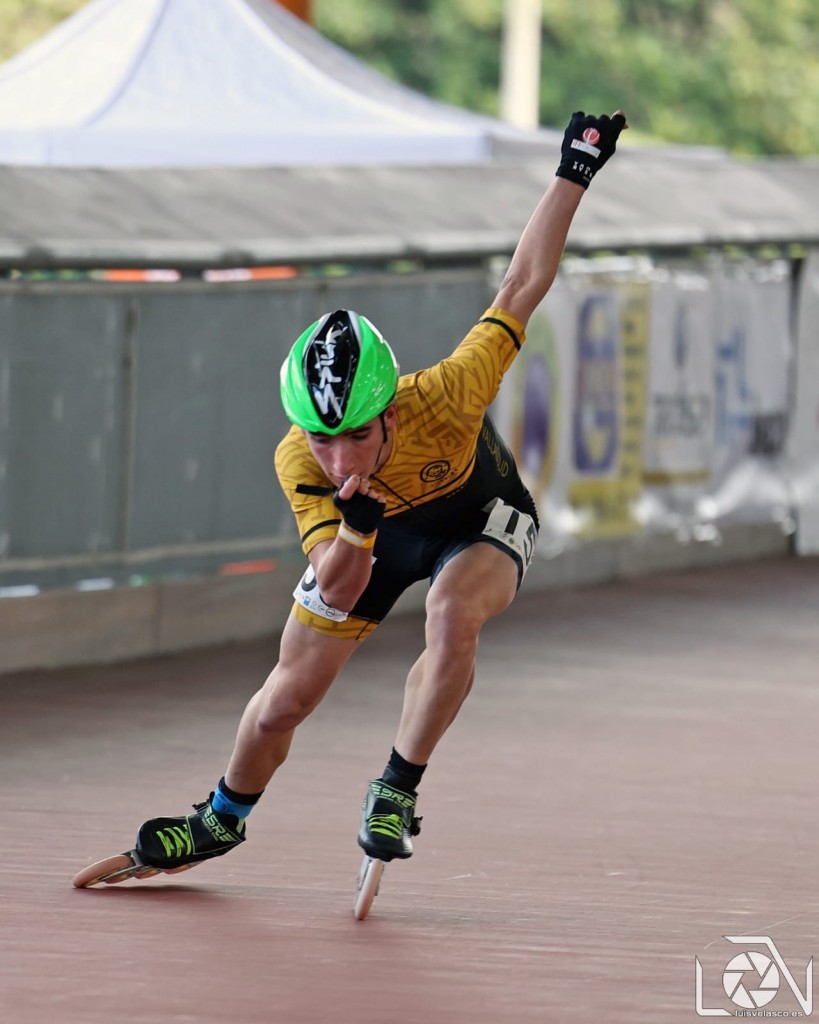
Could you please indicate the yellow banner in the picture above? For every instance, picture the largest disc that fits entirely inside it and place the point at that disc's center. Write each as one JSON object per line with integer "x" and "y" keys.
{"x": 609, "y": 406}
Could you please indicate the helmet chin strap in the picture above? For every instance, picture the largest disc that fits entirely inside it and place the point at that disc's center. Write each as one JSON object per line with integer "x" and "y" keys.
{"x": 384, "y": 439}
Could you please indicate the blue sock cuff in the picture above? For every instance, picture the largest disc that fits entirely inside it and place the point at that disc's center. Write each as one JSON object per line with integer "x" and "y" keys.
{"x": 224, "y": 805}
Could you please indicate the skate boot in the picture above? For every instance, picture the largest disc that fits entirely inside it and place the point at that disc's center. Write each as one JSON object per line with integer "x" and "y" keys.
{"x": 167, "y": 843}
{"x": 387, "y": 822}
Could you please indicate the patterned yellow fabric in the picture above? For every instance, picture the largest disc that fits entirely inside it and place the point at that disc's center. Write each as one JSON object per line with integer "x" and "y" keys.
{"x": 440, "y": 413}
{"x": 354, "y": 627}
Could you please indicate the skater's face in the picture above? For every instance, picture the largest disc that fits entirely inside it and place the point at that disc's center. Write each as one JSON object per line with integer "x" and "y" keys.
{"x": 361, "y": 451}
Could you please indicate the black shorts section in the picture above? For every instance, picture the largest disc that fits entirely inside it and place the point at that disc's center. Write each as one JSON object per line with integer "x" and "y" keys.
{"x": 401, "y": 559}
{"x": 476, "y": 538}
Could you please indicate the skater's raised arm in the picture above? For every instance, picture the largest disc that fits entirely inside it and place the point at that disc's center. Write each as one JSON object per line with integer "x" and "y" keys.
{"x": 588, "y": 143}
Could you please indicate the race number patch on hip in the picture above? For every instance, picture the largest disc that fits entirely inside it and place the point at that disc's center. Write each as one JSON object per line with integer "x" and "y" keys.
{"x": 512, "y": 529}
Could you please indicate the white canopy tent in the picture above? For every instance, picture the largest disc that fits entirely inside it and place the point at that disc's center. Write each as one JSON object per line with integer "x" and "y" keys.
{"x": 204, "y": 133}
{"x": 180, "y": 83}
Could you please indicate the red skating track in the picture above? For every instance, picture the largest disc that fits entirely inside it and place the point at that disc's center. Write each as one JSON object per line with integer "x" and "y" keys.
{"x": 634, "y": 777}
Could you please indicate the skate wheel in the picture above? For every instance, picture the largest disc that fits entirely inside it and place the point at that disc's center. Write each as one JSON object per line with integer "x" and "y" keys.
{"x": 175, "y": 871}
{"x": 111, "y": 870}
{"x": 369, "y": 880}
{"x": 145, "y": 872}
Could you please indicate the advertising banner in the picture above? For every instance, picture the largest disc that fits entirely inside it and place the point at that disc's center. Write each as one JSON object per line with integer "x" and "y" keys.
{"x": 532, "y": 411}
{"x": 662, "y": 398}
{"x": 608, "y": 410}
{"x": 803, "y": 438}
{"x": 679, "y": 429}
{"x": 753, "y": 385}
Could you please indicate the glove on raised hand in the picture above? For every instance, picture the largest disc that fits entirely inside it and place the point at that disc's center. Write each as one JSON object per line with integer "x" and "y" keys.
{"x": 361, "y": 512}
{"x": 588, "y": 142}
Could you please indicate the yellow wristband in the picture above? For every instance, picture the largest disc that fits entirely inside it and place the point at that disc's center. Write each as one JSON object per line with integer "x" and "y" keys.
{"x": 345, "y": 533}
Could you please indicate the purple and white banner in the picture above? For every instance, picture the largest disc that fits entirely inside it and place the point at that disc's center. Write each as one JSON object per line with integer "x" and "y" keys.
{"x": 669, "y": 397}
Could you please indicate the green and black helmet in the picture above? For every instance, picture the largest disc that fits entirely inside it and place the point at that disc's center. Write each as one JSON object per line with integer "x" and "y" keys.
{"x": 339, "y": 374}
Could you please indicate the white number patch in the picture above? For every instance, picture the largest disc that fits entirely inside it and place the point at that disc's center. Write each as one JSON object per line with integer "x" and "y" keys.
{"x": 513, "y": 529}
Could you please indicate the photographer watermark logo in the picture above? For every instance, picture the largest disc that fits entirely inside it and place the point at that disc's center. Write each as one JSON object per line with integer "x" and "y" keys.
{"x": 752, "y": 979}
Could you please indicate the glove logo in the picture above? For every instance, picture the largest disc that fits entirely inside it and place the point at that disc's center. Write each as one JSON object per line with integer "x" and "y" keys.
{"x": 592, "y": 136}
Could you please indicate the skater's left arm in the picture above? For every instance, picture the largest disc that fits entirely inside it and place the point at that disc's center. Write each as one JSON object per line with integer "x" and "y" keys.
{"x": 343, "y": 566}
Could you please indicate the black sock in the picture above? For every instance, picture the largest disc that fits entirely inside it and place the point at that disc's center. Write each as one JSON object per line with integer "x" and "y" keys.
{"x": 401, "y": 774}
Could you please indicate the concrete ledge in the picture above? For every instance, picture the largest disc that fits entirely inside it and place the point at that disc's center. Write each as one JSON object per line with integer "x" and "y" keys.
{"x": 69, "y": 627}
{"x": 598, "y": 561}
{"x": 198, "y": 613}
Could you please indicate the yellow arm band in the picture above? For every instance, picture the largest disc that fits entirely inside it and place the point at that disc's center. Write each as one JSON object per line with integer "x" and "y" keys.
{"x": 356, "y": 539}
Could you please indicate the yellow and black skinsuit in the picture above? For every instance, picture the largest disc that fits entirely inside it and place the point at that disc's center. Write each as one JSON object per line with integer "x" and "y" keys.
{"x": 446, "y": 465}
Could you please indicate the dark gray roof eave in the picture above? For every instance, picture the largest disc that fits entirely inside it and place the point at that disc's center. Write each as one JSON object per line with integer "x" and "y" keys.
{"x": 211, "y": 217}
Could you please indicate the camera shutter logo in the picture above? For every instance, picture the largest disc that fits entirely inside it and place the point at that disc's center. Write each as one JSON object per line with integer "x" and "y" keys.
{"x": 752, "y": 979}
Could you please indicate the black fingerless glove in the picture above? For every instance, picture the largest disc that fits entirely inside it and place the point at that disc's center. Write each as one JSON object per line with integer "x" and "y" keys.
{"x": 588, "y": 142}
{"x": 361, "y": 512}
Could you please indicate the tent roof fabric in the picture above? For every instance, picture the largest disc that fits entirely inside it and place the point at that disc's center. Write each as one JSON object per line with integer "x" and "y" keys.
{"x": 128, "y": 83}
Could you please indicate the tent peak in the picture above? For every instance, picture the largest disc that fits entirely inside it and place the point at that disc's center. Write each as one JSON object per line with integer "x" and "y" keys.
{"x": 128, "y": 83}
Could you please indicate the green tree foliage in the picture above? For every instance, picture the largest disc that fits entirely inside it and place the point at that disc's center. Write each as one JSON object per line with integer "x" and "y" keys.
{"x": 22, "y": 22}
{"x": 742, "y": 74}
{"x": 738, "y": 73}
{"x": 448, "y": 50}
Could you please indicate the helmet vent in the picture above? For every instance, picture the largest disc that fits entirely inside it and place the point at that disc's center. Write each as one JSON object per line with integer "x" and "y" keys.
{"x": 330, "y": 362}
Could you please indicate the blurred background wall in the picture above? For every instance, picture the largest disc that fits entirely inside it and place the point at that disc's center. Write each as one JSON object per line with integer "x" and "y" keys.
{"x": 164, "y": 239}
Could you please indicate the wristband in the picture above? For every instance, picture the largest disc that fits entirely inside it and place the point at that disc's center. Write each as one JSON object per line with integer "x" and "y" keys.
{"x": 348, "y": 535}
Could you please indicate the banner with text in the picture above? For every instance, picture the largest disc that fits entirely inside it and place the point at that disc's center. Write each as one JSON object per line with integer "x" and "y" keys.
{"x": 661, "y": 398}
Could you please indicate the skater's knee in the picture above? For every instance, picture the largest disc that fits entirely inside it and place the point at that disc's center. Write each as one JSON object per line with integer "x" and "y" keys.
{"x": 452, "y": 623}
{"x": 279, "y": 717}
{"x": 280, "y": 713}
{"x": 292, "y": 691}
